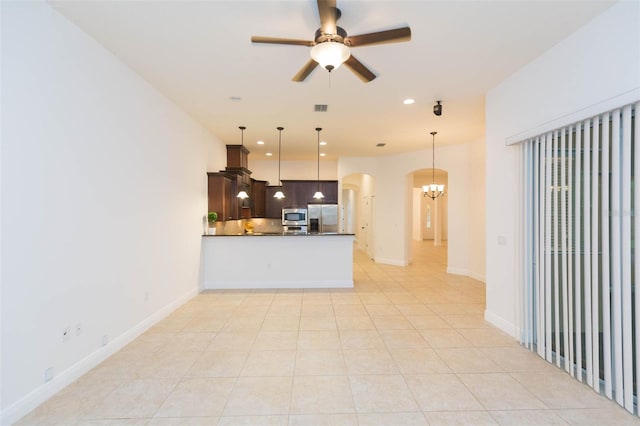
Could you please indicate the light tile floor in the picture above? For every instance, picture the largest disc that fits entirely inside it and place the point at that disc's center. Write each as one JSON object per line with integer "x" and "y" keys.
{"x": 406, "y": 346}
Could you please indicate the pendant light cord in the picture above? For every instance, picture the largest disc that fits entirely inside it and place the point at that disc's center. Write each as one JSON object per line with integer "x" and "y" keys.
{"x": 318, "y": 129}
{"x": 433, "y": 157}
{"x": 280, "y": 129}
{"x": 242, "y": 185}
{"x": 242, "y": 135}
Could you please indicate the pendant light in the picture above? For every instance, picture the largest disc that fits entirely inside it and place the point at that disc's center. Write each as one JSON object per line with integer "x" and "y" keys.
{"x": 243, "y": 193}
{"x": 318, "y": 195}
{"x": 434, "y": 190}
{"x": 279, "y": 194}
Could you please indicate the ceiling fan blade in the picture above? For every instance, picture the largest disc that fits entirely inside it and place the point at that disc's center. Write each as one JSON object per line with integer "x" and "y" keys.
{"x": 305, "y": 71}
{"x": 359, "y": 69}
{"x": 277, "y": 40}
{"x": 389, "y": 36}
{"x": 328, "y": 16}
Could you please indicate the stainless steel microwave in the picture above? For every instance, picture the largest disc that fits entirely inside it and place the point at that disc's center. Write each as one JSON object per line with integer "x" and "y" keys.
{"x": 294, "y": 216}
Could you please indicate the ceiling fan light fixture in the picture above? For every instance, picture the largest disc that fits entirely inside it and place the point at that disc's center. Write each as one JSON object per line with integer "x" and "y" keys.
{"x": 331, "y": 44}
{"x": 330, "y": 54}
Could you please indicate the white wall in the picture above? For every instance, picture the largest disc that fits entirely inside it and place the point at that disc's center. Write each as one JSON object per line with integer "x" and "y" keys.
{"x": 349, "y": 208}
{"x": 416, "y": 231}
{"x": 292, "y": 170}
{"x": 476, "y": 191}
{"x": 394, "y": 200}
{"x": 103, "y": 191}
{"x": 599, "y": 61}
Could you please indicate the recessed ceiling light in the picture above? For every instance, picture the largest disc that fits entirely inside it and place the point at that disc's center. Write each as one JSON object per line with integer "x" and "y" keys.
{"x": 260, "y": 142}
{"x": 323, "y": 143}
{"x": 408, "y": 101}
{"x": 268, "y": 154}
{"x": 322, "y": 154}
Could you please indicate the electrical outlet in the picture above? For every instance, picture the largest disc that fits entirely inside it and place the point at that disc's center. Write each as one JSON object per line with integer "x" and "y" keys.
{"x": 78, "y": 329}
{"x": 146, "y": 296}
{"x": 105, "y": 340}
{"x": 66, "y": 333}
{"x": 48, "y": 374}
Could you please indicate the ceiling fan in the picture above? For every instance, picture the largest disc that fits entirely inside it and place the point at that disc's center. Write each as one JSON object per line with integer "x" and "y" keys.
{"x": 330, "y": 47}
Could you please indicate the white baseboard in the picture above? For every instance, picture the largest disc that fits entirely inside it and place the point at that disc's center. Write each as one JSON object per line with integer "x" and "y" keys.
{"x": 395, "y": 262}
{"x": 501, "y": 323}
{"x": 295, "y": 284}
{"x": 61, "y": 380}
{"x": 466, "y": 273}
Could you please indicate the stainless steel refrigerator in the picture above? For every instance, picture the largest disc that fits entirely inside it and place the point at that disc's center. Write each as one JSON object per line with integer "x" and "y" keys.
{"x": 323, "y": 218}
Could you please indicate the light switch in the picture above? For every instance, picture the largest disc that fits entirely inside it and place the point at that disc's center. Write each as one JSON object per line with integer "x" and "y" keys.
{"x": 502, "y": 240}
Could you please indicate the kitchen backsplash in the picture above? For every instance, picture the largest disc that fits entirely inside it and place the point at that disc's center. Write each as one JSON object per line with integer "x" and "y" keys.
{"x": 261, "y": 225}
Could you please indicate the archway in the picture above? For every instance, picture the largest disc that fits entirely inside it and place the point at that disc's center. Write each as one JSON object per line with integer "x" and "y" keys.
{"x": 430, "y": 217}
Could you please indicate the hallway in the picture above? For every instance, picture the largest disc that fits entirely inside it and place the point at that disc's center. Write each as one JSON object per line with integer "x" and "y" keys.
{"x": 406, "y": 346}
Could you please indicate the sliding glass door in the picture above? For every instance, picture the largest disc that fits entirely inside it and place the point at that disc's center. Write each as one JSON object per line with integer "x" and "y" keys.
{"x": 580, "y": 268}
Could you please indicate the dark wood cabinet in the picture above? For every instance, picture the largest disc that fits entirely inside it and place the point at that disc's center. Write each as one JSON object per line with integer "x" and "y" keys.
{"x": 222, "y": 188}
{"x": 273, "y": 206}
{"x": 225, "y": 185}
{"x": 299, "y": 193}
{"x": 258, "y": 205}
{"x": 330, "y": 190}
{"x": 237, "y": 157}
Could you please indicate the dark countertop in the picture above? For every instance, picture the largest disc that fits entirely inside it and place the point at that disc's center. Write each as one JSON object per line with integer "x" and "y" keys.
{"x": 280, "y": 234}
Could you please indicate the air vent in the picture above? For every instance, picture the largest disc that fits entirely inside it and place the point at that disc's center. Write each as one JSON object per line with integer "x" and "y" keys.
{"x": 320, "y": 108}
{"x": 380, "y": 145}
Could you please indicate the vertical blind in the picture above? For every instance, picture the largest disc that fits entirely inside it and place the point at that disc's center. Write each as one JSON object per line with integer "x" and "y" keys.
{"x": 581, "y": 226}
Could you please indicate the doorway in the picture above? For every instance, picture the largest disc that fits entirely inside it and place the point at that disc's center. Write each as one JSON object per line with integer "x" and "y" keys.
{"x": 357, "y": 199}
{"x": 430, "y": 217}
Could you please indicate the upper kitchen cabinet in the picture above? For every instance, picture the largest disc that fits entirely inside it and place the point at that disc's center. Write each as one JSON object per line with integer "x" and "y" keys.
{"x": 237, "y": 157}
{"x": 222, "y": 188}
{"x": 273, "y": 206}
{"x": 299, "y": 193}
{"x": 257, "y": 196}
{"x": 330, "y": 190}
{"x": 225, "y": 184}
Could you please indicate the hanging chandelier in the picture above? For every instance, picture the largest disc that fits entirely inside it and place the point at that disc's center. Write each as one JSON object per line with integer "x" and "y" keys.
{"x": 434, "y": 190}
{"x": 242, "y": 194}
{"x": 279, "y": 194}
{"x": 318, "y": 195}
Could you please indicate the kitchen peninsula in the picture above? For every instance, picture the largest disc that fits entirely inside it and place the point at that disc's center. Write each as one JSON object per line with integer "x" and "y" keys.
{"x": 272, "y": 253}
{"x": 276, "y": 260}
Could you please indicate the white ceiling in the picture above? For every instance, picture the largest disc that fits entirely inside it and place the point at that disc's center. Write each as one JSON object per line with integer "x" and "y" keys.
{"x": 199, "y": 54}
